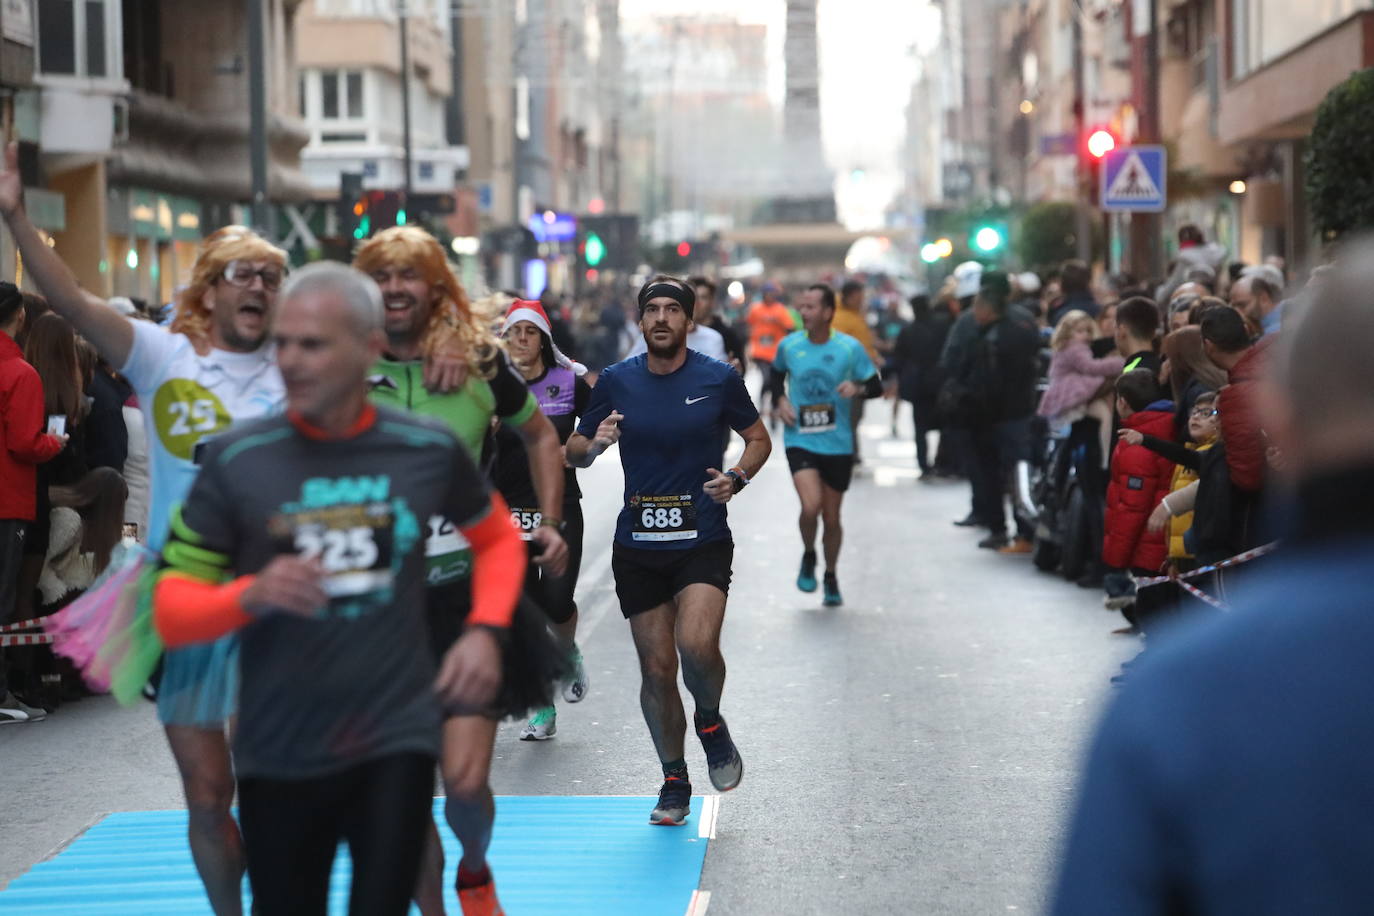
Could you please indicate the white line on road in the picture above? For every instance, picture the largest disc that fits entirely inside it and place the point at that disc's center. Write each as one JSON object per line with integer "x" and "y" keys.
{"x": 710, "y": 811}
{"x": 700, "y": 901}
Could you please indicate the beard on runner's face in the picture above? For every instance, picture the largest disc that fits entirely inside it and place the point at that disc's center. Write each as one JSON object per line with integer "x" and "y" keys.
{"x": 243, "y": 317}
{"x": 405, "y": 313}
{"x": 662, "y": 339}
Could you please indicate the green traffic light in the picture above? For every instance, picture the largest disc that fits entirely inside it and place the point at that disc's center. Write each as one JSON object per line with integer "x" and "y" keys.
{"x": 400, "y": 217}
{"x": 930, "y": 253}
{"x": 595, "y": 250}
{"x": 987, "y": 239}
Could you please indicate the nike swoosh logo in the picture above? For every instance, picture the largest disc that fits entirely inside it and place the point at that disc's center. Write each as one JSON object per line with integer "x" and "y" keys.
{"x": 694, "y": 400}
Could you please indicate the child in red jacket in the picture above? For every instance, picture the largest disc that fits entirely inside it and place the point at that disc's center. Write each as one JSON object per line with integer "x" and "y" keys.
{"x": 1139, "y": 480}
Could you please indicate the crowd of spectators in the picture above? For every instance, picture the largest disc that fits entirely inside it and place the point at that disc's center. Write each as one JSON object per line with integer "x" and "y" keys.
{"x": 1160, "y": 395}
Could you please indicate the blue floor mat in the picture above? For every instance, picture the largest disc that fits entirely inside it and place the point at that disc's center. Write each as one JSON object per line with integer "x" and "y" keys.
{"x": 569, "y": 855}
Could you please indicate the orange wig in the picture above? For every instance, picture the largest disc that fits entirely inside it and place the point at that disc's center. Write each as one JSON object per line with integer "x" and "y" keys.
{"x": 453, "y": 316}
{"x": 231, "y": 243}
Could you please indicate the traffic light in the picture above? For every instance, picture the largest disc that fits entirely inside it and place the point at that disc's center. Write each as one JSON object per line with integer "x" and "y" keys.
{"x": 1100, "y": 142}
{"x": 593, "y": 250}
{"x": 934, "y": 251}
{"x": 684, "y": 249}
{"x": 988, "y": 238}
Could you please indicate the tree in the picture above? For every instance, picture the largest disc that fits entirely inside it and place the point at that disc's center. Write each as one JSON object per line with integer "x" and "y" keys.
{"x": 1340, "y": 158}
{"x": 1049, "y": 235}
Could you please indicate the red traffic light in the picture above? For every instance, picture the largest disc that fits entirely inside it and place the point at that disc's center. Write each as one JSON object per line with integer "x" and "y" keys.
{"x": 684, "y": 249}
{"x": 1100, "y": 143}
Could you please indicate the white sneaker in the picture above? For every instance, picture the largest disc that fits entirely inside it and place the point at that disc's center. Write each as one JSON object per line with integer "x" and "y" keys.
{"x": 12, "y": 709}
{"x": 575, "y": 687}
{"x": 542, "y": 726}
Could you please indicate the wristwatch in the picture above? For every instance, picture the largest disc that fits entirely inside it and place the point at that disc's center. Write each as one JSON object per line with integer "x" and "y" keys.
{"x": 739, "y": 477}
{"x": 557, "y": 524}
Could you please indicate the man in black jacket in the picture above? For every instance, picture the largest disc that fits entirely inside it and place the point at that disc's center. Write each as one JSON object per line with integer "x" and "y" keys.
{"x": 705, "y": 314}
{"x": 1001, "y": 391}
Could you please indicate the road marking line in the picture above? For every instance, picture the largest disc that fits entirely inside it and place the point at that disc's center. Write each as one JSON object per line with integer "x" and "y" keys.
{"x": 700, "y": 901}
{"x": 710, "y": 811}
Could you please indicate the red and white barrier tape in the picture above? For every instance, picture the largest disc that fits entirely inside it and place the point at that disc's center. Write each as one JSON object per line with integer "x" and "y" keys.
{"x": 33, "y": 624}
{"x": 1204, "y": 570}
{"x": 27, "y": 639}
{"x": 1199, "y": 594}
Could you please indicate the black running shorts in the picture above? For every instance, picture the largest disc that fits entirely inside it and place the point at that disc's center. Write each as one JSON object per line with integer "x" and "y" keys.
{"x": 836, "y": 470}
{"x": 644, "y": 579}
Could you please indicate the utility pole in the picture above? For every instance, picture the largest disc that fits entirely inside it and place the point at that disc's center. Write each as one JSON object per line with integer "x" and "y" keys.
{"x": 257, "y": 117}
{"x": 1083, "y": 231}
{"x": 1145, "y": 257}
{"x": 401, "y": 19}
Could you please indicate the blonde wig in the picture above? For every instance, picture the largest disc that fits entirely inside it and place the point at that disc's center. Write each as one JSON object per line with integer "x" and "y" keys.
{"x": 1063, "y": 331}
{"x": 454, "y": 322}
{"x": 231, "y": 243}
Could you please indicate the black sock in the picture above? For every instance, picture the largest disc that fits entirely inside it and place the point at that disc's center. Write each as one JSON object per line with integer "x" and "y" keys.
{"x": 809, "y": 558}
{"x": 830, "y": 576}
{"x": 676, "y": 768}
{"x": 707, "y": 717}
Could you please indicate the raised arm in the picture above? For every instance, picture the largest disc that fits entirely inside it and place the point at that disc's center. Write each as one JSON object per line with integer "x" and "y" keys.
{"x": 91, "y": 316}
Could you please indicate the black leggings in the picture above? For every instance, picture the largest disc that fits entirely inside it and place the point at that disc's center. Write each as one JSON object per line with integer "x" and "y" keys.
{"x": 292, "y": 829}
{"x": 554, "y": 594}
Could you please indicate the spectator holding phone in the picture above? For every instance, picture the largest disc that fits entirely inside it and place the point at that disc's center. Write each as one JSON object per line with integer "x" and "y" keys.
{"x": 23, "y": 446}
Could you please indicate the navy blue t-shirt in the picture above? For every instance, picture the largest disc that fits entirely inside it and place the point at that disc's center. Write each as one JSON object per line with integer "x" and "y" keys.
{"x": 674, "y": 429}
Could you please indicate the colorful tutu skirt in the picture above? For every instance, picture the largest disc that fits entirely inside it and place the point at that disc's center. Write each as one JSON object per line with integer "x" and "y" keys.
{"x": 108, "y": 634}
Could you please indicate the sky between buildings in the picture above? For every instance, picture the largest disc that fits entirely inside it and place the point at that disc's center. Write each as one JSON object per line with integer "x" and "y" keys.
{"x": 868, "y": 51}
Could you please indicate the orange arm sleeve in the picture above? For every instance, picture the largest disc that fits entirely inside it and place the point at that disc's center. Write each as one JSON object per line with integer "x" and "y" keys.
{"x": 187, "y": 611}
{"x": 498, "y": 576}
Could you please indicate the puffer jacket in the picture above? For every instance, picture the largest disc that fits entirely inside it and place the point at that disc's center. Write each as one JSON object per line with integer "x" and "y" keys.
{"x": 1179, "y": 524}
{"x": 1237, "y": 406}
{"x": 1075, "y": 377}
{"x": 1140, "y": 479}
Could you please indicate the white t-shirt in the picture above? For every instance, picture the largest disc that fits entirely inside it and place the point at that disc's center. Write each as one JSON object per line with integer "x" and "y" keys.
{"x": 706, "y": 341}
{"x": 186, "y": 398}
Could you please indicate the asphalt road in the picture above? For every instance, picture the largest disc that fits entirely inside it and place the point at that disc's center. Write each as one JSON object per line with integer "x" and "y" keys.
{"x": 912, "y": 752}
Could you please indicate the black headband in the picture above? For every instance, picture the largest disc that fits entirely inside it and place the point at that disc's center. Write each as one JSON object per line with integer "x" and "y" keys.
{"x": 683, "y": 296}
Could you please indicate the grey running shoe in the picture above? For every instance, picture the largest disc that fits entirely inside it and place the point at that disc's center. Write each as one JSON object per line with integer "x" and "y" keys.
{"x": 576, "y": 686}
{"x": 13, "y": 709}
{"x": 674, "y": 803}
{"x": 723, "y": 762}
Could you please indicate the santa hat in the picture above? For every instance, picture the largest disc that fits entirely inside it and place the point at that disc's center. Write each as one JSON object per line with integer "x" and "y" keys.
{"x": 530, "y": 310}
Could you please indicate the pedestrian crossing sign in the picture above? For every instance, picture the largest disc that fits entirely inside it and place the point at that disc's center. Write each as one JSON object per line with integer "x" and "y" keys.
{"x": 1134, "y": 179}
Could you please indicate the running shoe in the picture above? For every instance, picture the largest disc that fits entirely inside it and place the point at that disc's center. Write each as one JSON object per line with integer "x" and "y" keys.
{"x": 722, "y": 757}
{"x": 674, "y": 803}
{"x": 806, "y": 577}
{"x": 480, "y": 900}
{"x": 832, "y": 593}
{"x": 542, "y": 726}
{"x": 575, "y": 687}
{"x": 13, "y": 709}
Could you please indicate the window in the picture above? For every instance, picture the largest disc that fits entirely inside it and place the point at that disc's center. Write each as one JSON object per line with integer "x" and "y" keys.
{"x": 329, "y": 93}
{"x": 426, "y": 171}
{"x": 57, "y": 36}
{"x": 343, "y": 137}
{"x": 341, "y": 94}
{"x": 74, "y": 38}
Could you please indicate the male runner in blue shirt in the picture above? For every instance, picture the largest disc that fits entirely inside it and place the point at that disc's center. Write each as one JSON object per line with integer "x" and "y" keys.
{"x": 670, "y": 409}
{"x": 828, "y": 371}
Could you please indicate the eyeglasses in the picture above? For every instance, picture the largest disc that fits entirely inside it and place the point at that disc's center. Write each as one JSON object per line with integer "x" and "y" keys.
{"x": 1205, "y": 412}
{"x": 241, "y": 274}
